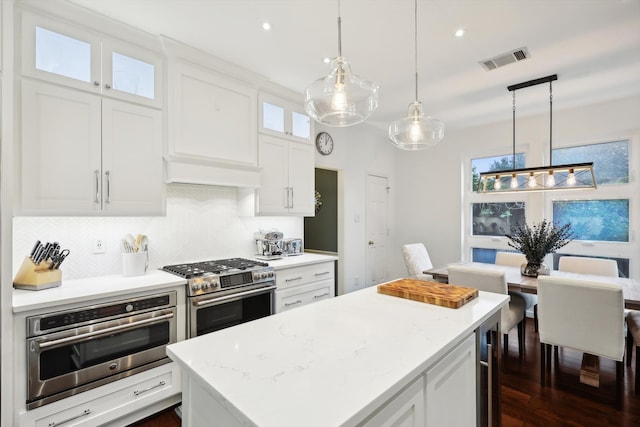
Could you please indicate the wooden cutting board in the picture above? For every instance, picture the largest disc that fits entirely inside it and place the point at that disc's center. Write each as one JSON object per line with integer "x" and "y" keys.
{"x": 441, "y": 294}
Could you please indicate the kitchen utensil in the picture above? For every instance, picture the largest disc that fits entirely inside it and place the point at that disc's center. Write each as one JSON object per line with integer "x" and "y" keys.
{"x": 138, "y": 243}
{"x": 35, "y": 249}
{"x": 130, "y": 241}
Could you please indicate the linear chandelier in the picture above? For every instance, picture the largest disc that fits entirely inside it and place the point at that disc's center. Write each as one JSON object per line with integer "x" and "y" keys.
{"x": 575, "y": 176}
{"x": 416, "y": 131}
{"x": 341, "y": 98}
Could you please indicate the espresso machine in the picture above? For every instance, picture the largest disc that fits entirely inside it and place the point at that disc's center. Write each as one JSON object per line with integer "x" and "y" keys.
{"x": 269, "y": 244}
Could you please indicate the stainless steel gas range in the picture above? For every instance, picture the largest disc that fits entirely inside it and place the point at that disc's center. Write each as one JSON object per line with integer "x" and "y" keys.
{"x": 226, "y": 292}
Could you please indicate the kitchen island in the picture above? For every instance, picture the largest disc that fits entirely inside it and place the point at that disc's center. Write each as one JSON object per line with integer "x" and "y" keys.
{"x": 363, "y": 358}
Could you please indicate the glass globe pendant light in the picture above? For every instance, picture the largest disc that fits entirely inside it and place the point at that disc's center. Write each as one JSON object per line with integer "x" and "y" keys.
{"x": 416, "y": 131}
{"x": 341, "y": 98}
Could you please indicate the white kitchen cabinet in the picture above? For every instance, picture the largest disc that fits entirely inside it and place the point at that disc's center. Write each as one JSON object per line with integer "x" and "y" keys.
{"x": 287, "y": 177}
{"x": 120, "y": 402}
{"x": 85, "y": 154}
{"x": 451, "y": 388}
{"x": 72, "y": 56}
{"x": 302, "y": 285}
{"x": 405, "y": 410}
{"x": 284, "y": 118}
{"x": 212, "y": 128}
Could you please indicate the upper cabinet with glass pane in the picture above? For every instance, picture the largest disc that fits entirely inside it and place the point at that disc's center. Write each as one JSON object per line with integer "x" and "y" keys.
{"x": 284, "y": 118}
{"x": 63, "y": 54}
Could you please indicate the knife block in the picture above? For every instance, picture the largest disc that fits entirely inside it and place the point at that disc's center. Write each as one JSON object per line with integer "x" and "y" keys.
{"x": 36, "y": 277}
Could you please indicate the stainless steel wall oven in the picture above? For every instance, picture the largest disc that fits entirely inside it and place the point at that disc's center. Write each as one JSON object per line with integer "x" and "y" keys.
{"x": 76, "y": 350}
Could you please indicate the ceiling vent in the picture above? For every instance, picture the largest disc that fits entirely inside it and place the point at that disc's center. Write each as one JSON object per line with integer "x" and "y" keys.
{"x": 506, "y": 58}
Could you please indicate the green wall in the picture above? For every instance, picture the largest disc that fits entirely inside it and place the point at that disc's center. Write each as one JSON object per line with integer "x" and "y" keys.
{"x": 321, "y": 231}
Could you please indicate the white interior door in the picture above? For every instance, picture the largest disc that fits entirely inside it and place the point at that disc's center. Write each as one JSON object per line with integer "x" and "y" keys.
{"x": 377, "y": 229}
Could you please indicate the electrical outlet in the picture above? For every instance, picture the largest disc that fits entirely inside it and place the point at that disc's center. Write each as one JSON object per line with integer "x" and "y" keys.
{"x": 99, "y": 246}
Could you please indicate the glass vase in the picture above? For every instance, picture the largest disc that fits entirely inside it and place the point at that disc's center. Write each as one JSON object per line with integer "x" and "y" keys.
{"x": 534, "y": 269}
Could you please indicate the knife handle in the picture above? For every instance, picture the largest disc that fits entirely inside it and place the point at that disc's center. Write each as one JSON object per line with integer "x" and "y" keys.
{"x": 35, "y": 249}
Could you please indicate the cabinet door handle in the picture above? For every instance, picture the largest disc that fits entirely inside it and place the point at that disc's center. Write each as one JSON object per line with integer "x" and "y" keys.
{"x": 107, "y": 85}
{"x": 83, "y": 414}
{"x": 286, "y": 204}
{"x": 96, "y": 83}
{"x": 97, "y": 179}
{"x": 289, "y": 304}
{"x": 139, "y": 392}
{"x": 108, "y": 174}
{"x": 291, "y": 206}
{"x": 323, "y": 273}
{"x": 326, "y": 294}
{"x": 293, "y": 279}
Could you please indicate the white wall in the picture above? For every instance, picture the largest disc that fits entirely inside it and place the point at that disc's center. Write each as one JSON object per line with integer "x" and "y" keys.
{"x": 202, "y": 223}
{"x": 358, "y": 151}
{"x": 430, "y": 205}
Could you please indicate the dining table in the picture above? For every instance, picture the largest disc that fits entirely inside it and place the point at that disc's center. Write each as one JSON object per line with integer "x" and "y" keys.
{"x": 519, "y": 283}
{"x": 590, "y": 371}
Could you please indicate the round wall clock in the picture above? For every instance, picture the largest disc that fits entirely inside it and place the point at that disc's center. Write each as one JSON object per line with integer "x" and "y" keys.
{"x": 324, "y": 143}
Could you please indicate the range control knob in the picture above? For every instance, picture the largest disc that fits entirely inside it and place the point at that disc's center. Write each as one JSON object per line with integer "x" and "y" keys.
{"x": 195, "y": 287}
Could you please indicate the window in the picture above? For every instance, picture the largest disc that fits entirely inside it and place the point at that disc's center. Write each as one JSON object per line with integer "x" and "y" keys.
{"x": 495, "y": 163}
{"x": 604, "y": 220}
{"x": 496, "y": 218}
{"x": 610, "y": 160}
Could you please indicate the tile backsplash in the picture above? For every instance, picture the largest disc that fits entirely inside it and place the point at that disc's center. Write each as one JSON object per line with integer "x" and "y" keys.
{"x": 202, "y": 223}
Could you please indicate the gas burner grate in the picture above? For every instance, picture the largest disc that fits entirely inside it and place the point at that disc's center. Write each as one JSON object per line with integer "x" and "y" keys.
{"x": 216, "y": 267}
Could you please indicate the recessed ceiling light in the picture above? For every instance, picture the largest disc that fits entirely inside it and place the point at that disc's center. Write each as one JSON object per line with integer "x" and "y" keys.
{"x": 460, "y": 32}
{"x": 266, "y": 26}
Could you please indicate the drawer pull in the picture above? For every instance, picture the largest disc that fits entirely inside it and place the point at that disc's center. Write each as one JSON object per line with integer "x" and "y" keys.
{"x": 326, "y": 294}
{"x": 83, "y": 414}
{"x": 139, "y": 392}
{"x": 323, "y": 273}
{"x": 289, "y": 304}
{"x": 293, "y": 279}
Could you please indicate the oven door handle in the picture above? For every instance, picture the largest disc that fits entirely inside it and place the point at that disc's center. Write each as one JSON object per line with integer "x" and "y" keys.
{"x": 109, "y": 330}
{"x": 216, "y": 300}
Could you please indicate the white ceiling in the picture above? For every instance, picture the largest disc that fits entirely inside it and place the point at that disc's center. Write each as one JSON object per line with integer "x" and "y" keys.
{"x": 592, "y": 45}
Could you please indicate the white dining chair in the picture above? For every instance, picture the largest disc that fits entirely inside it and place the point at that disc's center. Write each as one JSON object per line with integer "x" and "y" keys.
{"x": 417, "y": 260}
{"x": 585, "y": 265}
{"x": 496, "y": 282}
{"x": 513, "y": 259}
{"x": 566, "y": 318}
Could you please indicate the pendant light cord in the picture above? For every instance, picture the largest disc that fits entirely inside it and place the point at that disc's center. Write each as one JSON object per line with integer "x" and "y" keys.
{"x": 550, "y": 124}
{"x": 415, "y": 29}
{"x": 513, "y": 161}
{"x": 339, "y": 32}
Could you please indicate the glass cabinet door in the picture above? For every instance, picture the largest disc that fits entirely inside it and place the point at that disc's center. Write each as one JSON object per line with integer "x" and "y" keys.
{"x": 284, "y": 118}
{"x": 62, "y": 55}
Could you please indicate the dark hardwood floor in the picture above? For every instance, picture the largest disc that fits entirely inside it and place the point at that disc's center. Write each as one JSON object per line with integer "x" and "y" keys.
{"x": 525, "y": 403}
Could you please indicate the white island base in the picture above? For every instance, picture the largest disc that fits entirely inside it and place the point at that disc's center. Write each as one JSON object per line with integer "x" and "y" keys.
{"x": 362, "y": 359}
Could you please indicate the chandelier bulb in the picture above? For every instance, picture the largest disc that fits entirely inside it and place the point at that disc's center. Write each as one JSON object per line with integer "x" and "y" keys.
{"x": 551, "y": 181}
{"x": 497, "y": 184}
{"x": 339, "y": 99}
{"x": 532, "y": 180}
{"x": 415, "y": 131}
{"x": 514, "y": 181}
{"x": 571, "y": 178}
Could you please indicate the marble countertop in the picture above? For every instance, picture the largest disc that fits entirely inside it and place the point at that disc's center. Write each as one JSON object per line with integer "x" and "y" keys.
{"x": 91, "y": 288}
{"x": 330, "y": 363}
{"x": 83, "y": 290}
{"x": 300, "y": 260}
